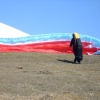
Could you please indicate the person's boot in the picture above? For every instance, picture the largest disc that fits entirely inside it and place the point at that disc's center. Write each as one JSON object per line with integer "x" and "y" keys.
{"x": 79, "y": 62}
{"x": 74, "y": 60}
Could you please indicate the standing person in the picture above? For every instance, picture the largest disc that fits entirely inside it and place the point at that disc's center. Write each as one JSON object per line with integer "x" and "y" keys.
{"x": 77, "y": 47}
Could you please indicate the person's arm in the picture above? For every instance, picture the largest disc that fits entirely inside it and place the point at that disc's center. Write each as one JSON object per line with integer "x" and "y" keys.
{"x": 71, "y": 42}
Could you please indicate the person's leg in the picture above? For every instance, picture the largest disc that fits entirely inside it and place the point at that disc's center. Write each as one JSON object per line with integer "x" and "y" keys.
{"x": 75, "y": 56}
{"x": 78, "y": 60}
{"x": 80, "y": 56}
{"x": 75, "y": 60}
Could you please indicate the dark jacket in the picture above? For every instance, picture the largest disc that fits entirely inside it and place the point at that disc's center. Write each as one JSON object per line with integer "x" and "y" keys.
{"x": 77, "y": 46}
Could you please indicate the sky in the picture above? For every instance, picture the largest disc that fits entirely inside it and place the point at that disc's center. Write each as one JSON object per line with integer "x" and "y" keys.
{"x": 52, "y": 16}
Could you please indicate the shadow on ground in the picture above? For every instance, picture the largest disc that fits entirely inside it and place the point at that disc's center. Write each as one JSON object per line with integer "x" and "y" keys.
{"x": 64, "y": 60}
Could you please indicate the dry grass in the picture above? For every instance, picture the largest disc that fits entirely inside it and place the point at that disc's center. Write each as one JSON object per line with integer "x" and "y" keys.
{"x": 40, "y": 76}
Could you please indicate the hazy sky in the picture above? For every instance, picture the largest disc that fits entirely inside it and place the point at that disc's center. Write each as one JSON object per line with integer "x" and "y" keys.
{"x": 52, "y": 16}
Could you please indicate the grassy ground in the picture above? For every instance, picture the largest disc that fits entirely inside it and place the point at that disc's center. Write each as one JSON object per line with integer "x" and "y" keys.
{"x": 40, "y": 76}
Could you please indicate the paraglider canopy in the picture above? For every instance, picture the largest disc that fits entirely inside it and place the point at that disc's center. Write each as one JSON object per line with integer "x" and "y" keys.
{"x": 10, "y": 32}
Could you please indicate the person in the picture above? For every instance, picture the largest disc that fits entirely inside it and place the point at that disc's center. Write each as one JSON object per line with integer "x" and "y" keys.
{"x": 77, "y": 47}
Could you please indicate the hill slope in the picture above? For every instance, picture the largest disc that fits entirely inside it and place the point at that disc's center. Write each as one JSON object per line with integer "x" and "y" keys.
{"x": 41, "y": 76}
